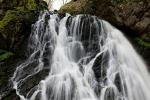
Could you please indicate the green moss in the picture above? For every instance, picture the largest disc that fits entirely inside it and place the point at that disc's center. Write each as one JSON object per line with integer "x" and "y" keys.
{"x": 21, "y": 8}
{"x": 17, "y": 15}
{"x": 143, "y": 43}
{"x": 31, "y": 5}
{"x": 15, "y": 22}
{"x": 7, "y": 18}
{"x": 5, "y": 55}
{"x": 5, "y": 23}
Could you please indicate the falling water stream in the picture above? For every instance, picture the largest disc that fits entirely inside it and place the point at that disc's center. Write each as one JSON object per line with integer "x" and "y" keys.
{"x": 85, "y": 58}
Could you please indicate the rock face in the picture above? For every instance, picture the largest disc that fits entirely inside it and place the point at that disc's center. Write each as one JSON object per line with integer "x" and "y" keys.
{"x": 130, "y": 16}
{"x": 16, "y": 19}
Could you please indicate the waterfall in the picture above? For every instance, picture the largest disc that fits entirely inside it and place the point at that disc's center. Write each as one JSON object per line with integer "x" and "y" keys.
{"x": 80, "y": 58}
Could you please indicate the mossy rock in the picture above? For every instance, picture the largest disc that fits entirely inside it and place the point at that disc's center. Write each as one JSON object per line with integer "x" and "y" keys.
{"x": 16, "y": 19}
{"x": 10, "y": 15}
{"x": 13, "y": 23}
{"x": 79, "y": 7}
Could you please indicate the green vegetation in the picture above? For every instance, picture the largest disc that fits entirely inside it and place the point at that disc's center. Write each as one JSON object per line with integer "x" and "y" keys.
{"x": 20, "y": 8}
{"x": 7, "y": 18}
{"x": 143, "y": 43}
{"x": 12, "y": 24}
{"x": 16, "y": 18}
{"x": 5, "y": 55}
{"x": 31, "y": 5}
{"x": 142, "y": 40}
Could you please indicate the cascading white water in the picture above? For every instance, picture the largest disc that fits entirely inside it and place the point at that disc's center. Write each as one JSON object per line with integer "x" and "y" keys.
{"x": 86, "y": 59}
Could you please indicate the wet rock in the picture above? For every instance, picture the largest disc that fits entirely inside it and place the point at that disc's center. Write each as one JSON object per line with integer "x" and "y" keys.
{"x": 11, "y": 96}
{"x": 100, "y": 67}
{"x": 109, "y": 94}
{"x": 118, "y": 82}
{"x": 30, "y": 84}
{"x": 7, "y": 68}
